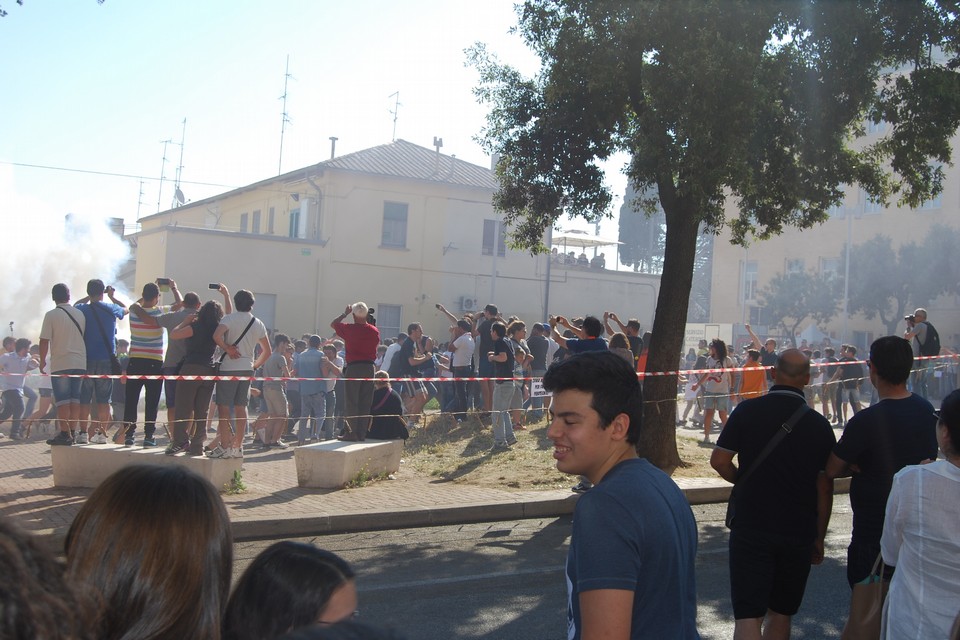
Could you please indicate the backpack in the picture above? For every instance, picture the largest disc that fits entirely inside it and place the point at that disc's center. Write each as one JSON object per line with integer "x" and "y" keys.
{"x": 931, "y": 347}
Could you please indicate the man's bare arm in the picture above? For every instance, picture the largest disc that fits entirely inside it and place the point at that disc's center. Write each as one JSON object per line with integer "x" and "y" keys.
{"x": 606, "y": 614}
{"x": 722, "y": 462}
{"x": 824, "y": 510}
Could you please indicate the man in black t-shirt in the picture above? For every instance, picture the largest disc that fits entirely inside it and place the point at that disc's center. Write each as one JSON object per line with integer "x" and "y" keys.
{"x": 484, "y": 343}
{"x": 877, "y": 443}
{"x": 783, "y": 508}
{"x": 850, "y": 375}
{"x": 501, "y": 356}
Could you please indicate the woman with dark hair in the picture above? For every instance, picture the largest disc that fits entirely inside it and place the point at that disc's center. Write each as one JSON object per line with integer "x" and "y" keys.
{"x": 152, "y": 545}
{"x": 35, "y": 600}
{"x": 920, "y": 539}
{"x": 193, "y": 396}
{"x": 387, "y": 411}
{"x": 716, "y": 386}
{"x": 619, "y": 345}
{"x": 288, "y": 586}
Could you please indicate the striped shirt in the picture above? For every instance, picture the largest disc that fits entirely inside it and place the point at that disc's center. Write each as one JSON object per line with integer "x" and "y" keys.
{"x": 146, "y": 341}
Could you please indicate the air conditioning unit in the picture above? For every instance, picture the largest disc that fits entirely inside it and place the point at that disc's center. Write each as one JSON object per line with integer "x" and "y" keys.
{"x": 468, "y": 303}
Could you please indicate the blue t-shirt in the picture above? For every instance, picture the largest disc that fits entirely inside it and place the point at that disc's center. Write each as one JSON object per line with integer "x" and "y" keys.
{"x": 635, "y": 531}
{"x": 575, "y": 345}
{"x": 108, "y": 314}
{"x": 310, "y": 365}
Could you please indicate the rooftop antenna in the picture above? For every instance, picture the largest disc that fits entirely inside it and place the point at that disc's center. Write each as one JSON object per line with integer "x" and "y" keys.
{"x": 178, "y": 198}
{"x": 438, "y": 143}
{"x": 395, "y": 111}
{"x": 163, "y": 164}
{"x": 140, "y": 200}
{"x": 285, "y": 119}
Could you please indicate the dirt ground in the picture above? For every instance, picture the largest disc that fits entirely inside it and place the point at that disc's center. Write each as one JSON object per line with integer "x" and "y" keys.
{"x": 460, "y": 453}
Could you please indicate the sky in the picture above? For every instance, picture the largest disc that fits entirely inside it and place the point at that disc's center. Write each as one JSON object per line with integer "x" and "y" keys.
{"x": 91, "y": 91}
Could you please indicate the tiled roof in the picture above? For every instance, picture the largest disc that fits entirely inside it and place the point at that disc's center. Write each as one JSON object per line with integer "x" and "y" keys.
{"x": 407, "y": 160}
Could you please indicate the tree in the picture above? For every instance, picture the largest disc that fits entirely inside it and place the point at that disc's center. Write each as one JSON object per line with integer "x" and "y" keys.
{"x": 756, "y": 101}
{"x": 791, "y": 298}
{"x": 887, "y": 283}
{"x": 642, "y": 235}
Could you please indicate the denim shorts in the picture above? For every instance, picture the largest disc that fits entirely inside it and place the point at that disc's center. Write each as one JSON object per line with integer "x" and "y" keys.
{"x": 718, "y": 401}
{"x": 66, "y": 390}
{"x": 97, "y": 390}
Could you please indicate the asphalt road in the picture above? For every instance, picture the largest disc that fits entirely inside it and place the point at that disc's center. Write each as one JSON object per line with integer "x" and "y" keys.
{"x": 504, "y": 580}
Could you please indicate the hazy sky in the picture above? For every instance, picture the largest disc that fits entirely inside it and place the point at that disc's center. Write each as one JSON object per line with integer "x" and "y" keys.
{"x": 98, "y": 87}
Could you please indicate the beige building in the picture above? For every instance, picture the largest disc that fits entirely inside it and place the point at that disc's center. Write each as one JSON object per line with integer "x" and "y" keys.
{"x": 399, "y": 226}
{"x": 739, "y": 274}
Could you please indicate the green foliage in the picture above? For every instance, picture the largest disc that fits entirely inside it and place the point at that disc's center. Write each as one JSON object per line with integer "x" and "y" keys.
{"x": 237, "y": 484}
{"x": 789, "y": 299}
{"x": 758, "y": 101}
{"x": 887, "y": 283}
{"x": 364, "y": 477}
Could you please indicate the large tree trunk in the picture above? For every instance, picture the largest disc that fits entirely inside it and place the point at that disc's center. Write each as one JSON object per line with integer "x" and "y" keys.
{"x": 658, "y": 440}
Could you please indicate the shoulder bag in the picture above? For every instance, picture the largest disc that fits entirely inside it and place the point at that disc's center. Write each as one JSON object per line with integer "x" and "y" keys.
{"x": 866, "y": 606}
{"x": 216, "y": 365}
{"x": 781, "y": 433}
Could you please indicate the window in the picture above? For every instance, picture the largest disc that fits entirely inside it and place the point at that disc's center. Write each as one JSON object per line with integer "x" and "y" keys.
{"x": 271, "y": 214}
{"x": 256, "y": 221}
{"x": 388, "y": 320}
{"x": 489, "y": 230}
{"x": 794, "y": 265}
{"x": 394, "y": 225}
{"x": 830, "y": 267}
{"x": 750, "y": 273}
{"x": 294, "y": 223}
{"x": 243, "y": 222}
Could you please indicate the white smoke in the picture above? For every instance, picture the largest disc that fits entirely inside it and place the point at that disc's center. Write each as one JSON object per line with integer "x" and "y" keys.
{"x": 41, "y": 248}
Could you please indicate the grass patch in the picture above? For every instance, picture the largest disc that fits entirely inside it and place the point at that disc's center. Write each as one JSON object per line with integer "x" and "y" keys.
{"x": 364, "y": 477}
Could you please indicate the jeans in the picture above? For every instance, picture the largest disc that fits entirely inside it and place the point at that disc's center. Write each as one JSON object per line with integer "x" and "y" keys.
{"x": 314, "y": 404}
{"x": 31, "y": 397}
{"x": 535, "y": 403}
{"x": 13, "y": 409}
{"x": 502, "y": 424}
{"x": 460, "y": 391}
{"x": 327, "y": 430}
{"x": 145, "y": 367}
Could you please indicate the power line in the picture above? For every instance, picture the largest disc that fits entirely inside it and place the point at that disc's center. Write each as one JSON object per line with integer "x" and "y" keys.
{"x": 109, "y": 173}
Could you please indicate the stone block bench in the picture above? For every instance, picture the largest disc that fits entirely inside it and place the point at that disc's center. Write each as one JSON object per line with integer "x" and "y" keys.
{"x": 332, "y": 464}
{"x": 89, "y": 465}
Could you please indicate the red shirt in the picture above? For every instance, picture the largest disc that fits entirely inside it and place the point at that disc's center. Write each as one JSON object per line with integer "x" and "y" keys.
{"x": 360, "y": 341}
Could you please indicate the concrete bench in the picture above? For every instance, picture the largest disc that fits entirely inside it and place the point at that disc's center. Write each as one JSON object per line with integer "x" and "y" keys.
{"x": 332, "y": 464}
{"x": 89, "y": 465}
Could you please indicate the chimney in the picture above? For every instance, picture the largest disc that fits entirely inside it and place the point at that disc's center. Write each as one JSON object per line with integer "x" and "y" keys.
{"x": 333, "y": 146}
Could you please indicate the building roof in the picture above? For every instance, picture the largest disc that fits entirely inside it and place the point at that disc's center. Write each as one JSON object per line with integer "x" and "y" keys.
{"x": 407, "y": 160}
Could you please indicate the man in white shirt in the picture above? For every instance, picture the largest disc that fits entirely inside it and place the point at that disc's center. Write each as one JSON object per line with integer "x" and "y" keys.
{"x": 392, "y": 351}
{"x": 238, "y": 335}
{"x": 61, "y": 336}
{"x": 461, "y": 366}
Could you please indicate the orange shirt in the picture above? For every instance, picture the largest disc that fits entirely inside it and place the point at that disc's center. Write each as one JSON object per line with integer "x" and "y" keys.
{"x": 752, "y": 382}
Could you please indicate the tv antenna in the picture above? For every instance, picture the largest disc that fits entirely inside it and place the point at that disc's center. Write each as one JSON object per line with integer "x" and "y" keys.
{"x": 285, "y": 119}
{"x": 140, "y": 200}
{"x": 395, "y": 111}
{"x": 163, "y": 165}
{"x": 178, "y": 198}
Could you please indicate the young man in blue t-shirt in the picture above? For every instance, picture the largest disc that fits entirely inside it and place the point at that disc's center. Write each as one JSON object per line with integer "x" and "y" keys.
{"x": 630, "y": 568}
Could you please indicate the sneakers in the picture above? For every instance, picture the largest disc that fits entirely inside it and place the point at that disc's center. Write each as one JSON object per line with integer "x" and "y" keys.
{"x": 233, "y": 453}
{"x": 512, "y": 442}
{"x": 217, "y": 452}
{"x": 98, "y": 439}
{"x": 279, "y": 444}
{"x": 128, "y": 441}
{"x": 81, "y": 438}
{"x": 174, "y": 449}
{"x": 149, "y": 442}
{"x": 62, "y": 438}
{"x": 499, "y": 446}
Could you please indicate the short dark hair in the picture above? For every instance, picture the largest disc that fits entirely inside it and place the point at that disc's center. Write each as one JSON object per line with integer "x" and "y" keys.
{"x": 286, "y": 587}
{"x": 243, "y": 300}
{"x": 191, "y": 300}
{"x": 279, "y": 339}
{"x": 413, "y": 326}
{"x": 609, "y": 379}
{"x": 499, "y": 328}
{"x": 754, "y": 354}
{"x": 95, "y": 287}
{"x": 150, "y": 291}
{"x": 516, "y": 325}
{"x": 8, "y": 340}
{"x": 949, "y": 415}
{"x": 60, "y": 293}
{"x": 633, "y": 323}
{"x": 21, "y": 344}
{"x": 592, "y": 327}
{"x": 465, "y": 325}
{"x": 314, "y": 341}
{"x": 892, "y": 359}
{"x": 491, "y": 309}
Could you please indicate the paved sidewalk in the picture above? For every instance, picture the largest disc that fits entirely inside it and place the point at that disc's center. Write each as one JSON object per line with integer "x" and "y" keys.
{"x": 274, "y": 506}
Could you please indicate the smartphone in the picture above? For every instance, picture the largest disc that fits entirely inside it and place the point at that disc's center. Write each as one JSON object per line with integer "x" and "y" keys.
{"x": 214, "y": 285}
{"x": 163, "y": 284}
{"x": 163, "y": 281}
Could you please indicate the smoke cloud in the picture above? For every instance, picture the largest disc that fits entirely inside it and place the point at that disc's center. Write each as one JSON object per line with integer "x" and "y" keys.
{"x": 43, "y": 247}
